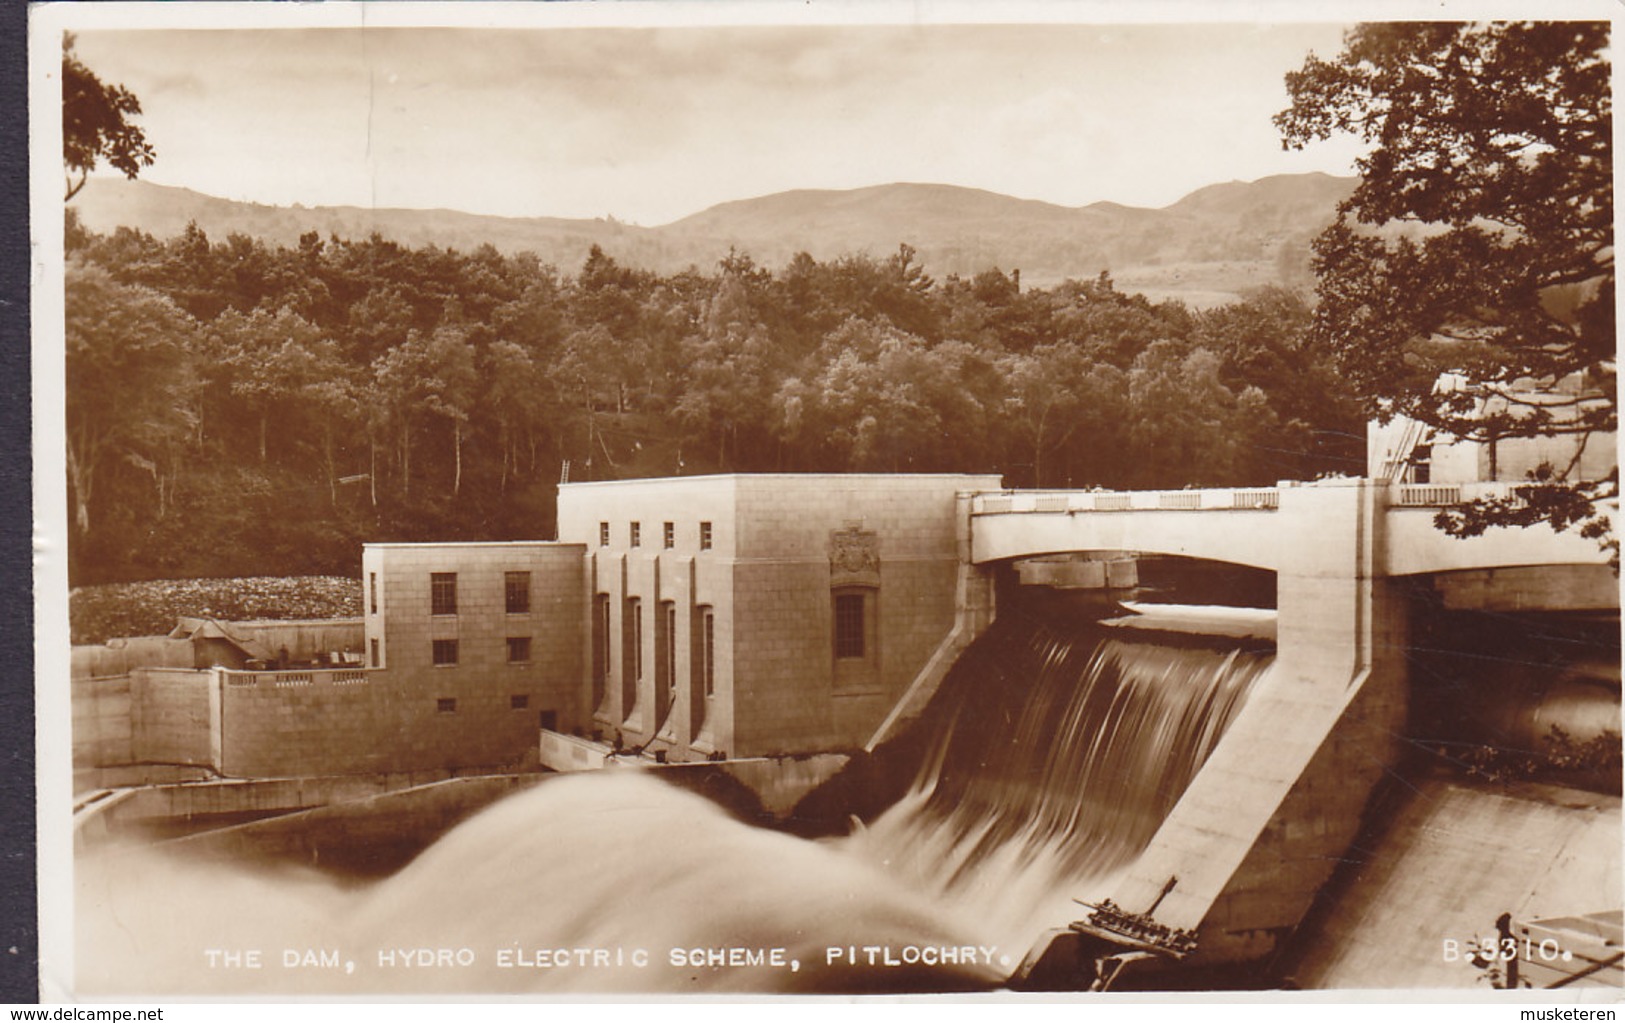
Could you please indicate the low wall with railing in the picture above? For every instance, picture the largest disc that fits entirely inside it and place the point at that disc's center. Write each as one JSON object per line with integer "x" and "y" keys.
{"x": 363, "y": 720}
{"x": 271, "y": 724}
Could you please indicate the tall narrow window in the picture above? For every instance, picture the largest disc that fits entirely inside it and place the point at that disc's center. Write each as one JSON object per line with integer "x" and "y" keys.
{"x": 600, "y": 647}
{"x": 854, "y": 641}
{"x": 631, "y": 655}
{"x": 445, "y": 652}
{"x": 375, "y": 655}
{"x": 705, "y": 536}
{"x": 634, "y": 534}
{"x": 443, "y": 593}
{"x": 849, "y": 625}
{"x": 668, "y": 535}
{"x": 516, "y": 592}
{"x": 603, "y": 534}
{"x": 708, "y": 651}
{"x": 666, "y": 657}
{"x": 373, "y": 580}
{"x": 637, "y": 639}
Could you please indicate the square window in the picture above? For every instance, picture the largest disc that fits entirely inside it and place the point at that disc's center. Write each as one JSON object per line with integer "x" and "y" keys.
{"x": 603, "y": 534}
{"x": 635, "y": 534}
{"x": 518, "y": 649}
{"x": 519, "y": 701}
{"x": 445, "y": 651}
{"x": 446, "y": 705}
{"x": 516, "y": 591}
{"x": 705, "y": 536}
{"x": 443, "y": 593}
{"x": 668, "y": 535}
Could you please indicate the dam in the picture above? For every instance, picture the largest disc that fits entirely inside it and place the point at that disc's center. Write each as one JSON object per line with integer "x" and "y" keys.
{"x": 1180, "y": 739}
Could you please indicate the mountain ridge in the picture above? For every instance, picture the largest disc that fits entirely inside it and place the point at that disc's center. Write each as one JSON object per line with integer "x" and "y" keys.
{"x": 1210, "y": 245}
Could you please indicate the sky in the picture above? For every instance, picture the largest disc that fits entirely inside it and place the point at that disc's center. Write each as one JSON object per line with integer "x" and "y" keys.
{"x": 651, "y": 124}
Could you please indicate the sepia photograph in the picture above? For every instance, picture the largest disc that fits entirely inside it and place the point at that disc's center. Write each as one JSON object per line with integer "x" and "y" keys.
{"x": 1023, "y": 501}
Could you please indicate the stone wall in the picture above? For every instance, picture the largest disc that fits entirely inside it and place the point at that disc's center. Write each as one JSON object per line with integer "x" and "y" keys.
{"x": 766, "y": 577}
{"x": 353, "y": 722}
{"x": 488, "y": 703}
{"x": 124, "y": 655}
{"x": 171, "y": 717}
{"x": 101, "y": 721}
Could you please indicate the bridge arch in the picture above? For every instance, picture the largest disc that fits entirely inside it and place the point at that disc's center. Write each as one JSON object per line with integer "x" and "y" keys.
{"x": 1235, "y": 526}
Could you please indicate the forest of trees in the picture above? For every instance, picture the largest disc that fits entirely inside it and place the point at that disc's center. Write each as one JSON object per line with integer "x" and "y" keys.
{"x": 235, "y": 408}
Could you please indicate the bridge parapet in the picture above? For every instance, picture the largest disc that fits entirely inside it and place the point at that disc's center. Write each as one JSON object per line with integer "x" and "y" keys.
{"x": 1076, "y": 501}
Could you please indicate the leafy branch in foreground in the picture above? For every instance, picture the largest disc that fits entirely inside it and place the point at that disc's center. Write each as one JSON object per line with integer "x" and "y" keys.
{"x": 1468, "y": 282}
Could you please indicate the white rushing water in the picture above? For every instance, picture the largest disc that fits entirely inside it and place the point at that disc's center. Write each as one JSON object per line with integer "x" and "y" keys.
{"x": 1052, "y": 760}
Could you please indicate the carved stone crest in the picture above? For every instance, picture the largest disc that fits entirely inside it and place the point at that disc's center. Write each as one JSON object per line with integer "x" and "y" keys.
{"x": 854, "y": 557}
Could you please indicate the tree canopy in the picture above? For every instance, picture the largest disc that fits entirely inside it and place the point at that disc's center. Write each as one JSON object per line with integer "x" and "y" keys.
{"x": 1468, "y": 281}
{"x": 239, "y": 408}
{"x": 96, "y": 124}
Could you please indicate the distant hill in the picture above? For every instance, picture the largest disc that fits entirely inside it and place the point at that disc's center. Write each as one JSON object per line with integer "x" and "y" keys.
{"x": 1207, "y": 247}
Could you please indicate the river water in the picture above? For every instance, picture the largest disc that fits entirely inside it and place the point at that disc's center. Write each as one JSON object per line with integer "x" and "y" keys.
{"x": 1052, "y": 756}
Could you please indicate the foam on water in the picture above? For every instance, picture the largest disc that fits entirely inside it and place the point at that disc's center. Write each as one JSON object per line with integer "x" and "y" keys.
{"x": 1052, "y": 759}
{"x": 1055, "y": 757}
{"x": 616, "y": 861}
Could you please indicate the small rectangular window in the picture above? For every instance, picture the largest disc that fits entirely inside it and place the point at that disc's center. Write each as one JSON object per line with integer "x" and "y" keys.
{"x": 519, "y": 701}
{"x": 668, "y": 535}
{"x": 603, "y": 534}
{"x": 375, "y": 657}
{"x": 516, "y": 590}
{"x": 849, "y": 625}
{"x": 445, "y": 651}
{"x": 518, "y": 649}
{"x": 705, "y": 536}
{"x": 373, "y": 578}
{"x": 634, "y": 534}
{"x": 443, "y": 593}
{"x": 446, "y": 705}
{"x": 549, "y": 719}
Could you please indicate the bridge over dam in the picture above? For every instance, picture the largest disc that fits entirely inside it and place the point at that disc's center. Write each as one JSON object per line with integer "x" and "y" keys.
{"x": 1259, "y": 831}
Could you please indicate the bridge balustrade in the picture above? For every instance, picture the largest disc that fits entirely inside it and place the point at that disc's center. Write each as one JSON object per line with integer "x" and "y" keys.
{"x": 292, "y": 679}
{"x": 1075, "y": 501}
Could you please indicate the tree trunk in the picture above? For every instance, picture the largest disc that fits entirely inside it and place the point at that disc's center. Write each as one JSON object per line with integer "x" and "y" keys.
{"x": 79, "y": 480}
{"x": 372, "y": 473}
{"x": 332, "y": 481}
{"x": 457, "y": 452}
{"x": 406, "y": 462}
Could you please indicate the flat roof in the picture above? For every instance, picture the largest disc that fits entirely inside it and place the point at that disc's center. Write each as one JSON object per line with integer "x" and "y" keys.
{"x": 478, "y": 543}
{"x": 810, "y": 476}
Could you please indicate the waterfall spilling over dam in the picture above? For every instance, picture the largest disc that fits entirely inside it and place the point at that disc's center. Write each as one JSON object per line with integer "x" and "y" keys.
{"x": 1055, "y": 752}
{"x": 1052, "y": 754}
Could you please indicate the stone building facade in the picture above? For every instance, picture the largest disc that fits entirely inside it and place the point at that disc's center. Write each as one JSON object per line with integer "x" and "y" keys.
{"x": 754, "y": 615}
{"x": 478, "y": 644}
